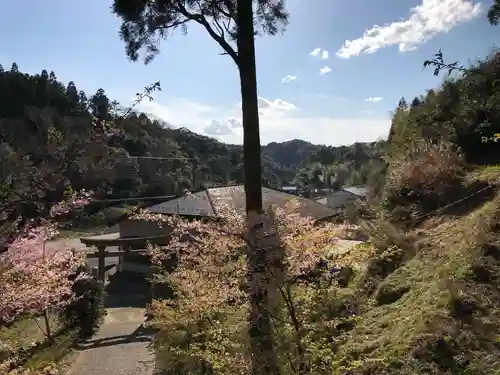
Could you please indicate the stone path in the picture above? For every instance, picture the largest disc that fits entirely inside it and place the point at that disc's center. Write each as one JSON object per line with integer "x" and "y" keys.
{"x": 121, "y": 347}
{"x": 122, "y": 344}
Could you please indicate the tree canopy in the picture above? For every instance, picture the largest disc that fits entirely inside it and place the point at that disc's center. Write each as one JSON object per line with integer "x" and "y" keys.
{"x": 145, "y": 23}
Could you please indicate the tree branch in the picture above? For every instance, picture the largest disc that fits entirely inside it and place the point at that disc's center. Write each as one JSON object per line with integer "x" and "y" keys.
{"x": 200, "y": 19}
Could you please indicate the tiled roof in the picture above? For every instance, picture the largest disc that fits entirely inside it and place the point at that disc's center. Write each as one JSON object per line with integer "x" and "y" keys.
{"x": 210, "y": 202}
{"x": 235, "y": 196}
{"x": 196, "y": 204}
{"x": 360, "y": 191}
{"x": 322, "y": 200}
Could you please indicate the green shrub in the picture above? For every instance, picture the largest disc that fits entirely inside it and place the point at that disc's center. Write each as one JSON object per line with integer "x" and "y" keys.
{"x": 86, "y": 311}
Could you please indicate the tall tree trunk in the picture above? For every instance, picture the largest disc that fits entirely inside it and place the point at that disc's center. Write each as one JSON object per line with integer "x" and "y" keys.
{"x": 264, "y": 358}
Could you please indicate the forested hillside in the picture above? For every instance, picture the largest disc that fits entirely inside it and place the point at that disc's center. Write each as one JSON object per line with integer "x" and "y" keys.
{"x": 440, "y": 135}
{"x": 55, "y": 136}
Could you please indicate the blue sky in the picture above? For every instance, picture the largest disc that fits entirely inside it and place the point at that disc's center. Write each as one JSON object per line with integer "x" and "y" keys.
{"x": 361, "y": 83}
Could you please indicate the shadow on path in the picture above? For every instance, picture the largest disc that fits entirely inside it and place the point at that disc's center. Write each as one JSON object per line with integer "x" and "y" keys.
{"x": 127, "y": 289}
{"x": 122, "y": 345}
{"x": 141, "y": 334}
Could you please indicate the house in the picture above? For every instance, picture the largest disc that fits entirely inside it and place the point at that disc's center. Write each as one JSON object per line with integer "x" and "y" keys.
{"x": 292, "y": 189}
{"x": 208, "y": 203}
{"x": 345, "y": 196}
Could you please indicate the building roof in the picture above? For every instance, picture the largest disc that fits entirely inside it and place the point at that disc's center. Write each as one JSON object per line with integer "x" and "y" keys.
{"x": 361, "y": 191}
{"x": 196, "y": 204}
{"x": 323, "y": 200}
{"x": 211, "y": 201}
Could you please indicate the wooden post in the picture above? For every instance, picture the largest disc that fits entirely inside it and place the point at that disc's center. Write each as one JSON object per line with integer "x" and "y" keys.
{"x": 101, "y": 264}
{"x": 123, "y": 258}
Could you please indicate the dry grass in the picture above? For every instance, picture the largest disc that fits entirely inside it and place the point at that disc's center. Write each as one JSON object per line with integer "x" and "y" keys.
{"x": 26, "y": 331}
{"x": 28, "y": 343}
{"x": 490, "y": 173}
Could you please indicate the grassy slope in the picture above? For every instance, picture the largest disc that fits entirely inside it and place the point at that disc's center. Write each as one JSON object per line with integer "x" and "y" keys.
{"x": 26, "y": 332}
{"x": 447, "y": 317}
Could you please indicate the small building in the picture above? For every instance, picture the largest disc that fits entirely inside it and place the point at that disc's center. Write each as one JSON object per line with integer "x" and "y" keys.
{"x": 338, "y": 200}
{"x": 208, "y": 204}
{"x": 291, "y": 189}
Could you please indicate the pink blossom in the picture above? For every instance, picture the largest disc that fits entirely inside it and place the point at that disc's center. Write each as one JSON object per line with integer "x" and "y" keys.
{"x": 75, "y": 200}
{"x": 34, "y": 277}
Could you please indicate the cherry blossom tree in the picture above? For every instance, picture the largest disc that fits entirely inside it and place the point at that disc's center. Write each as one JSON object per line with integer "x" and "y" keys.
{"x": 211, "y": 283}
{"x": 34, "y": 277}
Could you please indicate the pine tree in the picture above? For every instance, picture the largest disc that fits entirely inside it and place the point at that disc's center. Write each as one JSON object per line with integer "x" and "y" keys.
{"x": 229, "y": 23}
{"x": 416, "y": 102}
{"x": 99, "y": 103}
{"x": 72, "y": 97}
{"x": 402, "y": 103}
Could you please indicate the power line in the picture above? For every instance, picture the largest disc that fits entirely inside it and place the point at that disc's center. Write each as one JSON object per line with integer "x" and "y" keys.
{"x": 155, "y": 158}
{"x": 116, "y": 200}
{"x": 449, "y": 205}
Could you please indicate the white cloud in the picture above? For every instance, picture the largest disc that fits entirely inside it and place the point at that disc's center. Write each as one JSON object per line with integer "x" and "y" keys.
{"x": 323, "y": 53}
{"x": 374, "y": 99}
{"x": 425, "y": 21}
{"x": 325, "y": 70}
{"x": 234, "y": 122}
{"x": 279, "y": 121}
{"x": 276, "y": 105}
{"x": 288, "y": 78}
{"x": 315, "y": 52}
{"x": 217, "y": 128}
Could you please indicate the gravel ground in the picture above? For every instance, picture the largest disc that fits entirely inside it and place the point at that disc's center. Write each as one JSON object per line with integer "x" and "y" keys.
{"x": 121, "y": 347}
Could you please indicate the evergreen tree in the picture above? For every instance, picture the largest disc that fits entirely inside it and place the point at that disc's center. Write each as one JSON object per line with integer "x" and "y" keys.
{"x": 226, "y": 21}
{"x": 99, "y": 103}
{"x": 82, "y": 102}
{"x": 416, "y": 103}
{"x": 72, "y": 97}
{"x": 402, "y": 103}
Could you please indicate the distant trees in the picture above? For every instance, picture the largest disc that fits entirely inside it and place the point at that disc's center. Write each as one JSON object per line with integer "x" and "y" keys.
{"x": 464, "y": 111}
{"x": 49, "y": 140}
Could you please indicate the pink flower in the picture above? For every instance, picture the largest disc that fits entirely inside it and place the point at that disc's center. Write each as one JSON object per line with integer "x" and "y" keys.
{"x": 33, "y": 276}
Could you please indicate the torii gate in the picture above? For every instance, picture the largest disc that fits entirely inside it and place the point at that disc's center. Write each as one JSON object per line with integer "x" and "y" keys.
{"x": 124, "y": 244}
